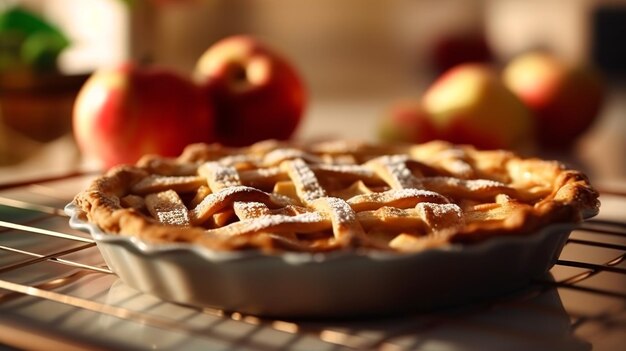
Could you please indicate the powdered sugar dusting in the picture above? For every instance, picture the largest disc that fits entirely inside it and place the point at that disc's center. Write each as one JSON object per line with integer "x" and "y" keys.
{"x": 246, "y": 206}
{"x": 412, "y": 193}
{"x": 248, "y": 210}
{"x": 398, "y": 174}
{"x": 478, "y": 184}
{"x": 275, "y": 223}
{"x": 469, "y": 184}
{"x": 265, "y": 172}
{"x": 307, "y": 186}
{"x": 168, "y": 208}
{"x": 215, "y": 201}
{"x": 340, "y": 212}
{"x": 459, "y": 168}
{"x": 268, "y": 222}
{"x": 375, "y": 200}
{"x": 219, "y": 176}
{"x": 357, "y": 170}
{"x": 174, "y": 217}
{"x": 440, "y": 216}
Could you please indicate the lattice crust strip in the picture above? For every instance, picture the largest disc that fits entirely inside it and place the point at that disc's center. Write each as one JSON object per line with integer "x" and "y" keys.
{"x": 331, "y": 196}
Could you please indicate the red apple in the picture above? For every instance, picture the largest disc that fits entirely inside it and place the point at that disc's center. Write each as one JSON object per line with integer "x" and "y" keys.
{"x": 407, "y": 121}
{"x": 469, "y": 104}
{"x": 257, "y": 94}
{"x": 125, "y": 112}
{"x": 565, "y": 98}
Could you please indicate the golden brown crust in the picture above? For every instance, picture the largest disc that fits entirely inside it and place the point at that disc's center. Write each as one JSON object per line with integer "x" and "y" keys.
{"x": 339, "y": 195}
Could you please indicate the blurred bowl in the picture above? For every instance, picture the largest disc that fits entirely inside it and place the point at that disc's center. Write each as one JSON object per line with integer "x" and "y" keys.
{"x": 39, "y": 105}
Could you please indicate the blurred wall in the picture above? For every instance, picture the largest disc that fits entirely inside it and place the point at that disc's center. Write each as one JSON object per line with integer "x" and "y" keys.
{"x": 339, "y": 46}
{"x": 367, "y": 48}
{"x": 343, "y": 48}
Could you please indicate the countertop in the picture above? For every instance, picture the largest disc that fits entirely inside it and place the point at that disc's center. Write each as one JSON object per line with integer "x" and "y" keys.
{"x": 56, "y": 291}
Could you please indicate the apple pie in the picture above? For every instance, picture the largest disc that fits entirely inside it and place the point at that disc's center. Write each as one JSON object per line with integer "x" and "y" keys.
{"x": 328, "y": 196}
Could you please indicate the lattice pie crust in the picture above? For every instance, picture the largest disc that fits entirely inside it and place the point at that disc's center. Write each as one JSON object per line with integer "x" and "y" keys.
{"x": 335, "y": 196}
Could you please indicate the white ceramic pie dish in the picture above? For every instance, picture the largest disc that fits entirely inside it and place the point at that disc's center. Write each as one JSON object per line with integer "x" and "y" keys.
{"x": 339, "y": 284}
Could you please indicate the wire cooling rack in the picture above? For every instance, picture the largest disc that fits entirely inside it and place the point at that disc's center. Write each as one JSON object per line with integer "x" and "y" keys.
{"x": 56, "y": 292}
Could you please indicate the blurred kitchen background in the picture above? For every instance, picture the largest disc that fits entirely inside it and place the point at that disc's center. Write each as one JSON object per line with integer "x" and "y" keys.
{"x": 357, "y": 57}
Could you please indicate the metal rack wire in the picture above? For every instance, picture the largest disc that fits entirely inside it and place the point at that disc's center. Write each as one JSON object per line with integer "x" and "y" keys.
{"x": 55, "y": 289}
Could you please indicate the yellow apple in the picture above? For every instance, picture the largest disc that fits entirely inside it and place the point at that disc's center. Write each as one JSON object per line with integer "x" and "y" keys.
{"x": 565, "y": 98}
{"x": 469, "y": 104}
